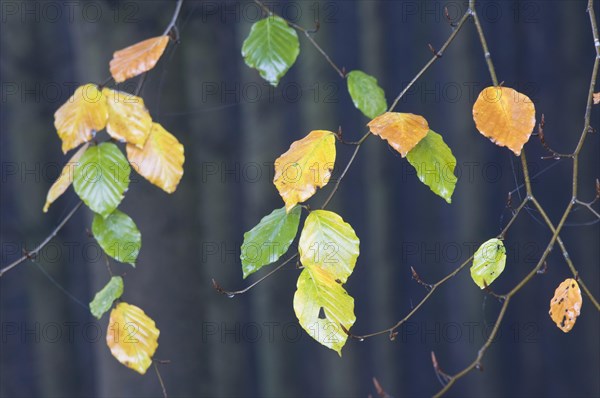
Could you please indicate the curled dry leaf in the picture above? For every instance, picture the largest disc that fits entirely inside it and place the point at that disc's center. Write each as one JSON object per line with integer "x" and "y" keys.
{"x": 128, "y": 118}
{"x": 132, "y": 337}
{"x": 138, "y": 58}
{"x": 161, "y": 159}
{"x": 78, "y": 119}
{"x": 565, "y": 306}
{"x": 403, "y": 131}
{"x": 505, "y": 116}
{"x": 65, "y": 179}
{"x": 306, "y": 166}
{"x": 596, "y": 98}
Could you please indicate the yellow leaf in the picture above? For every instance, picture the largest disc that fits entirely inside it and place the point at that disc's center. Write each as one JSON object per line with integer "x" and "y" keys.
{"x": 78, "y": 119}
{"x": 306, "y": 166}
{"x": 138, "y": 58}
{"x": 403, "y": 131}
{"x": 132, "y": 337}
{"x": 317, "y": 289}
{"x": 161, "y": 159}
{"x": 128, "y": 118}
{"x": 505, "y": 116}
{"x": 565, "y": 306}
{"x": 596, "y": 98}
{"x": 65, "y": 179}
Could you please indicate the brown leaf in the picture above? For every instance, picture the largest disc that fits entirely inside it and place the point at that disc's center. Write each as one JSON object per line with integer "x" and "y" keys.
{"x": 138, "y": 58}
{"x": 596, "y": 98}
{"x": 403, "y": 131}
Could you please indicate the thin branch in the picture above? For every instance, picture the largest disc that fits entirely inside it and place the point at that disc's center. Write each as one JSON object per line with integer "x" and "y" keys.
{"x": 34, "y": 252}
{"x": 234, "y": 293}
{"x": 433, "y": 288}
{"x": 160, "y": 380}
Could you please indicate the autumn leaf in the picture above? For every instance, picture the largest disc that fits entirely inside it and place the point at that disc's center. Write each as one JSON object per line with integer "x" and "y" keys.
{"x": 128, "y": 118}
{"x": 78, "y": 119}
{"x": 306, "y": 166}
{"x": 138, "y": 58}
{"x": 271, "y": 47}
{"x": 160, "y": 160}
{"x": 403, "y": 131}
{"x": 565, "y": 306}
{"x": 269, "y": 240}
{"x": 317, "y": 289}
{"x": 104, "y": 299}
{"x": 328, "y": 241}
{"x": 505, "y": 116}
{"x": 65, "y": 179}
{"x": 488, "y": 262}
{"x": 132, "y": 337}
{"x": 596, "y": 98}
{"x": 101, "y": 178}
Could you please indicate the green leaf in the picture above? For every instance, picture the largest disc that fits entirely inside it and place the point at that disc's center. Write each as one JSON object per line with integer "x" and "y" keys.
{"x": 118, "y": 236}
{"x": 488, "y": 262}
{"x": 366, "y": 94}
{"x": 329, "y": 242}
{"x": 269, "y": 240}
{"x": 271, "y": 47}
{"x": 104, "y": 299}
{"x": 101, "y": 178}
{"x": 434, "y": 163}
{"x": 317, "y": 288}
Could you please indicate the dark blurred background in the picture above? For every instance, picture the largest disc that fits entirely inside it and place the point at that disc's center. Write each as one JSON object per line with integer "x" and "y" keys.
{"x": 233, "y": 126}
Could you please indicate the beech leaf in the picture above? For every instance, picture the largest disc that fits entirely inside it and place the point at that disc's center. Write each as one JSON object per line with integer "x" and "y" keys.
{"x": 104, "y": 299}
{"x": 505, "y": 116}
{"x": 78, "y": 119}
{"x": 137, "y": 58}
{"x": 403, "y": 131}
{"x": 488, "y": 262}
{"x": 366, "y": 94}
{"x": 306, "y": 166}
{"x": 65, "y": 179}
{"x": 118, "y": 236}
{"x": 132, "y": 337}
{"x": 565, "y": 306}
{"x": 128, "y": 118}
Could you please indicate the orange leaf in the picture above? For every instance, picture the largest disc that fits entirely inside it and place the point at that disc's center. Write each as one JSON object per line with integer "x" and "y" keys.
{"x": 78, "y": 119}
{"x": 505, "y": 116}
{"x": 138, "y": 58}
{"x": 65, "y": 179}
{"x": 565, "y": 306}
{"x": 132, "y": 337}
{"x": 403, "y": 131}
{"x": 128, "y": 118}
{"x": 161, "y": 159}
{"x": 596, "y": 98}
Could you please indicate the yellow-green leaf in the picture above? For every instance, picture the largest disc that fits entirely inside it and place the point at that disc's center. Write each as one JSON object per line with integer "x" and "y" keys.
{"x": 132, "y": 337}
{"x": 434, "y": 162}
{"x": 565, "y": 306}
{"x": 137, "y": 58}
{"x": 403, "y": 131}
{"x": 488, "y": 262}
{"x": 78, "y": 119}
{"x": 128, "y": 118}
{"x": 160, "y": 161}
{"x": 65, "y": 179}
{"x": 306, "y": 166}
{"x": 104, "y": 299}
{"x": 318, "y": 289}
{"x": 330, "y": 243}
